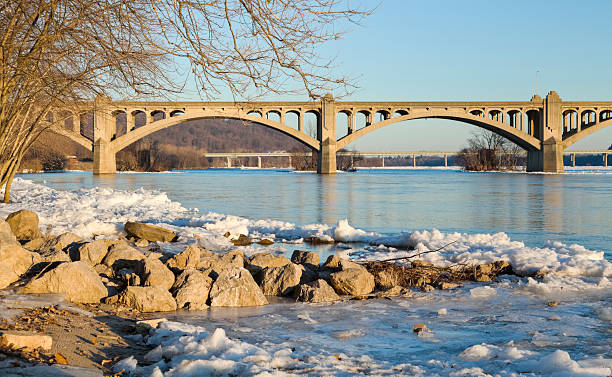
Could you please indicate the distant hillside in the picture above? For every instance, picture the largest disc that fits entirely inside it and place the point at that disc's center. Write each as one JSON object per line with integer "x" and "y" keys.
{"x": 181, "y": 146}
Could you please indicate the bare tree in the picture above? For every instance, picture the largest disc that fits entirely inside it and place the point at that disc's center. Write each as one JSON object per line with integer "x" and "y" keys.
{"x": 61, "y": 54}
{"x": 489, "y": 151}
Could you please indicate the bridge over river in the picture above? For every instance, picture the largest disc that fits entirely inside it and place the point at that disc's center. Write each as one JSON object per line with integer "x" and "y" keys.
{"x": 544, "y": 128}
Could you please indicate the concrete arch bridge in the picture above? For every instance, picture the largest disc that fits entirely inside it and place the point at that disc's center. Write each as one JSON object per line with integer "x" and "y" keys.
{"x": 543, "y": 127}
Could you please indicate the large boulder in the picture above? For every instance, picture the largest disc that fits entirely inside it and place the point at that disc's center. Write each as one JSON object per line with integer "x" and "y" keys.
{"x": 309, "y": 259}
{"x": 53, "y": 255}
{"x": 352, "y": 281}
{"x": 78, "y": 281}
{"x": 148, "y": 299}
{"x": 92, "y": 252}
{"x": 64, "y": 241}
{"x": 331, "y": 265}
{"x": 191, "y": 289}
{"x": 149, "y": 232}
{"x": 153, "y": 273}
{"x": 259, "y": 261}
{"x": 219, "y": 262}
{"x": 7, "y": 237}
{"x": 24, "y": 225}
{"x": 122, "y": 255}
{"x": 316, "y": 291}
{"x": 235, "y": 287}
{"x": 190, "y": 257}
{"x": 281, "y": 281}
{"x": 14, "y": 262}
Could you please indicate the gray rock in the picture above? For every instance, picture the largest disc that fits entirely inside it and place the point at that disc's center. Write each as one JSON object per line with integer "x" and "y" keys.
{"x": 121, "y": 255}
{"x": 7, "y": 237}
{"x": 153, "y": 273}
{"x": 259, "y": 261}
{"x": 93, "y": 252}
{"x": 281, "y": 281}
{"x": 78, "y": 281}
{"x": 64, "y": 242}
{"x": 235, "y": 287}
{"x": 191, "y": 289}
{"x": 316, "y": 291}
{"x": 352, "y": 281}
{"x": 53, "y": 255}
{"x": 309, "y": 259}
{"x": 24, "y": 225}
{"x": 219, "y": 262}
{"x": 190, "y": 257}
{"x": 148, "y": 299}
{"x": 14, "y": 262}
{"x": 149, "y": 232}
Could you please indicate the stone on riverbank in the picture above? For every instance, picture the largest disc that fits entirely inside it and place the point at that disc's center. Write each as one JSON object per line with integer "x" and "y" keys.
{"x": 53, "y": 255}
{"x": 27, "y": 341}
{"x": 92, "y": 252}
{"x": 24, "y": 225}
{"x": 219, "y": 262}
{"x": 235, "y": 287}
{"x": 259, "y": 261}
{"x": 190, "y": 257}
{"x": 78, "y": 281}
{"x": 153, "y": 273}
{"x": 14, "y": 262}
{"x": 242, "y": 240}
{"x": 309, "y": 259}
{"x": 147, "y": 299}
{"x": 122, "y": 255}
{"x": 316, "y": 291}
{"x": 148, "y": 232}
{"x": 191, "y": 289}
{"x": 352, "y": 281}
{"x": 7, "y": 237}
{"x": 65, "y": 242}
{"x": 281, "y": 281}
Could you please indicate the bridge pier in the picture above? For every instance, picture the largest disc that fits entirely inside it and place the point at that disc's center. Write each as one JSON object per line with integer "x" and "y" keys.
{"x": 326, "y": 161}
{"x": 104, "y": 161}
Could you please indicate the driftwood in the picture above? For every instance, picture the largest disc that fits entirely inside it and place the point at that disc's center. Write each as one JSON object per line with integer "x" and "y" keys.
{"x": 387, "y": 273}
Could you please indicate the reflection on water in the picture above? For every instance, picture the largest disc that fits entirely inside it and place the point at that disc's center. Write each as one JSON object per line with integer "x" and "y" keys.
{"x": 529, "y": 207}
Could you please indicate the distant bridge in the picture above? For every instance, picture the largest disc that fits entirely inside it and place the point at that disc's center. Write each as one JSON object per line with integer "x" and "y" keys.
{"x": 289, "y": 155}
{"x": 542, "y": 127}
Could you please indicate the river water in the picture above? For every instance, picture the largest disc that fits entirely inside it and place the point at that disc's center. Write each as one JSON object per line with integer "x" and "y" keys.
{"x": 556, "y": 222}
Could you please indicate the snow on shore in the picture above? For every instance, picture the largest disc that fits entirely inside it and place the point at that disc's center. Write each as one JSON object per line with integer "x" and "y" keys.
{"x": 502, "y": 328}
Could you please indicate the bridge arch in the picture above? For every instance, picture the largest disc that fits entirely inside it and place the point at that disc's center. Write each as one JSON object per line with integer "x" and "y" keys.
{"x": 125, "y": 140}
{"x": 518, "y": 137}
{"x": 575, "y": 137}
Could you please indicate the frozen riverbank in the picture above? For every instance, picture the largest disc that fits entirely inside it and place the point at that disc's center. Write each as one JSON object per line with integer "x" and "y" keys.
{"x": 498, "y": 328}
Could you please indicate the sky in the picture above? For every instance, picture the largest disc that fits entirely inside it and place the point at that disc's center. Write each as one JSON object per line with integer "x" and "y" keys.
{"x": 472, "y": 50}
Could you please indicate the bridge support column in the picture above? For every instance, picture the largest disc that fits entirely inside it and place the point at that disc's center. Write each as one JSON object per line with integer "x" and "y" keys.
{"x": 259, "y": 162}
{"x": 104, "y": 127}
{"x": 326, "y": 163}
{"x": 103, "y": 158}
{"x": 383, "y": 161}
{"x": 445, "y": 161}
{"x": 605, "y": 160}
{"x": 550, "y": 156}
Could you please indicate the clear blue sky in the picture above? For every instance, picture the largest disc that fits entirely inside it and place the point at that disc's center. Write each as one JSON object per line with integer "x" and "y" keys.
{"x": 475, "y": 50}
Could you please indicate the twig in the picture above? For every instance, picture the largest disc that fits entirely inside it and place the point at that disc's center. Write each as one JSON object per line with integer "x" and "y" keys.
{"x": 418, "y": 254}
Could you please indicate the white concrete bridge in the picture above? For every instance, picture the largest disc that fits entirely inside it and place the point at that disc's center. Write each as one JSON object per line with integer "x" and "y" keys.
{"x": 543, "y": 127}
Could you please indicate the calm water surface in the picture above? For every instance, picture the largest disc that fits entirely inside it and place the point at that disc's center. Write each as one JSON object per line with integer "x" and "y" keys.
{"x": 572, "y": 208}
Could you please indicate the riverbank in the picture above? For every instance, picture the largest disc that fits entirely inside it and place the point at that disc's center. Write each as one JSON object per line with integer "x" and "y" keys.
{"x": 503, "y": 327}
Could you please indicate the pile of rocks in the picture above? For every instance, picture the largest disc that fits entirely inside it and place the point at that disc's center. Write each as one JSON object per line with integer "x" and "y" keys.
{"x": 119, "y": 272}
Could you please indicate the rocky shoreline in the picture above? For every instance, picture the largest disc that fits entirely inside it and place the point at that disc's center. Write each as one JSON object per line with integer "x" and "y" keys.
{"x": 116, "y": 282}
